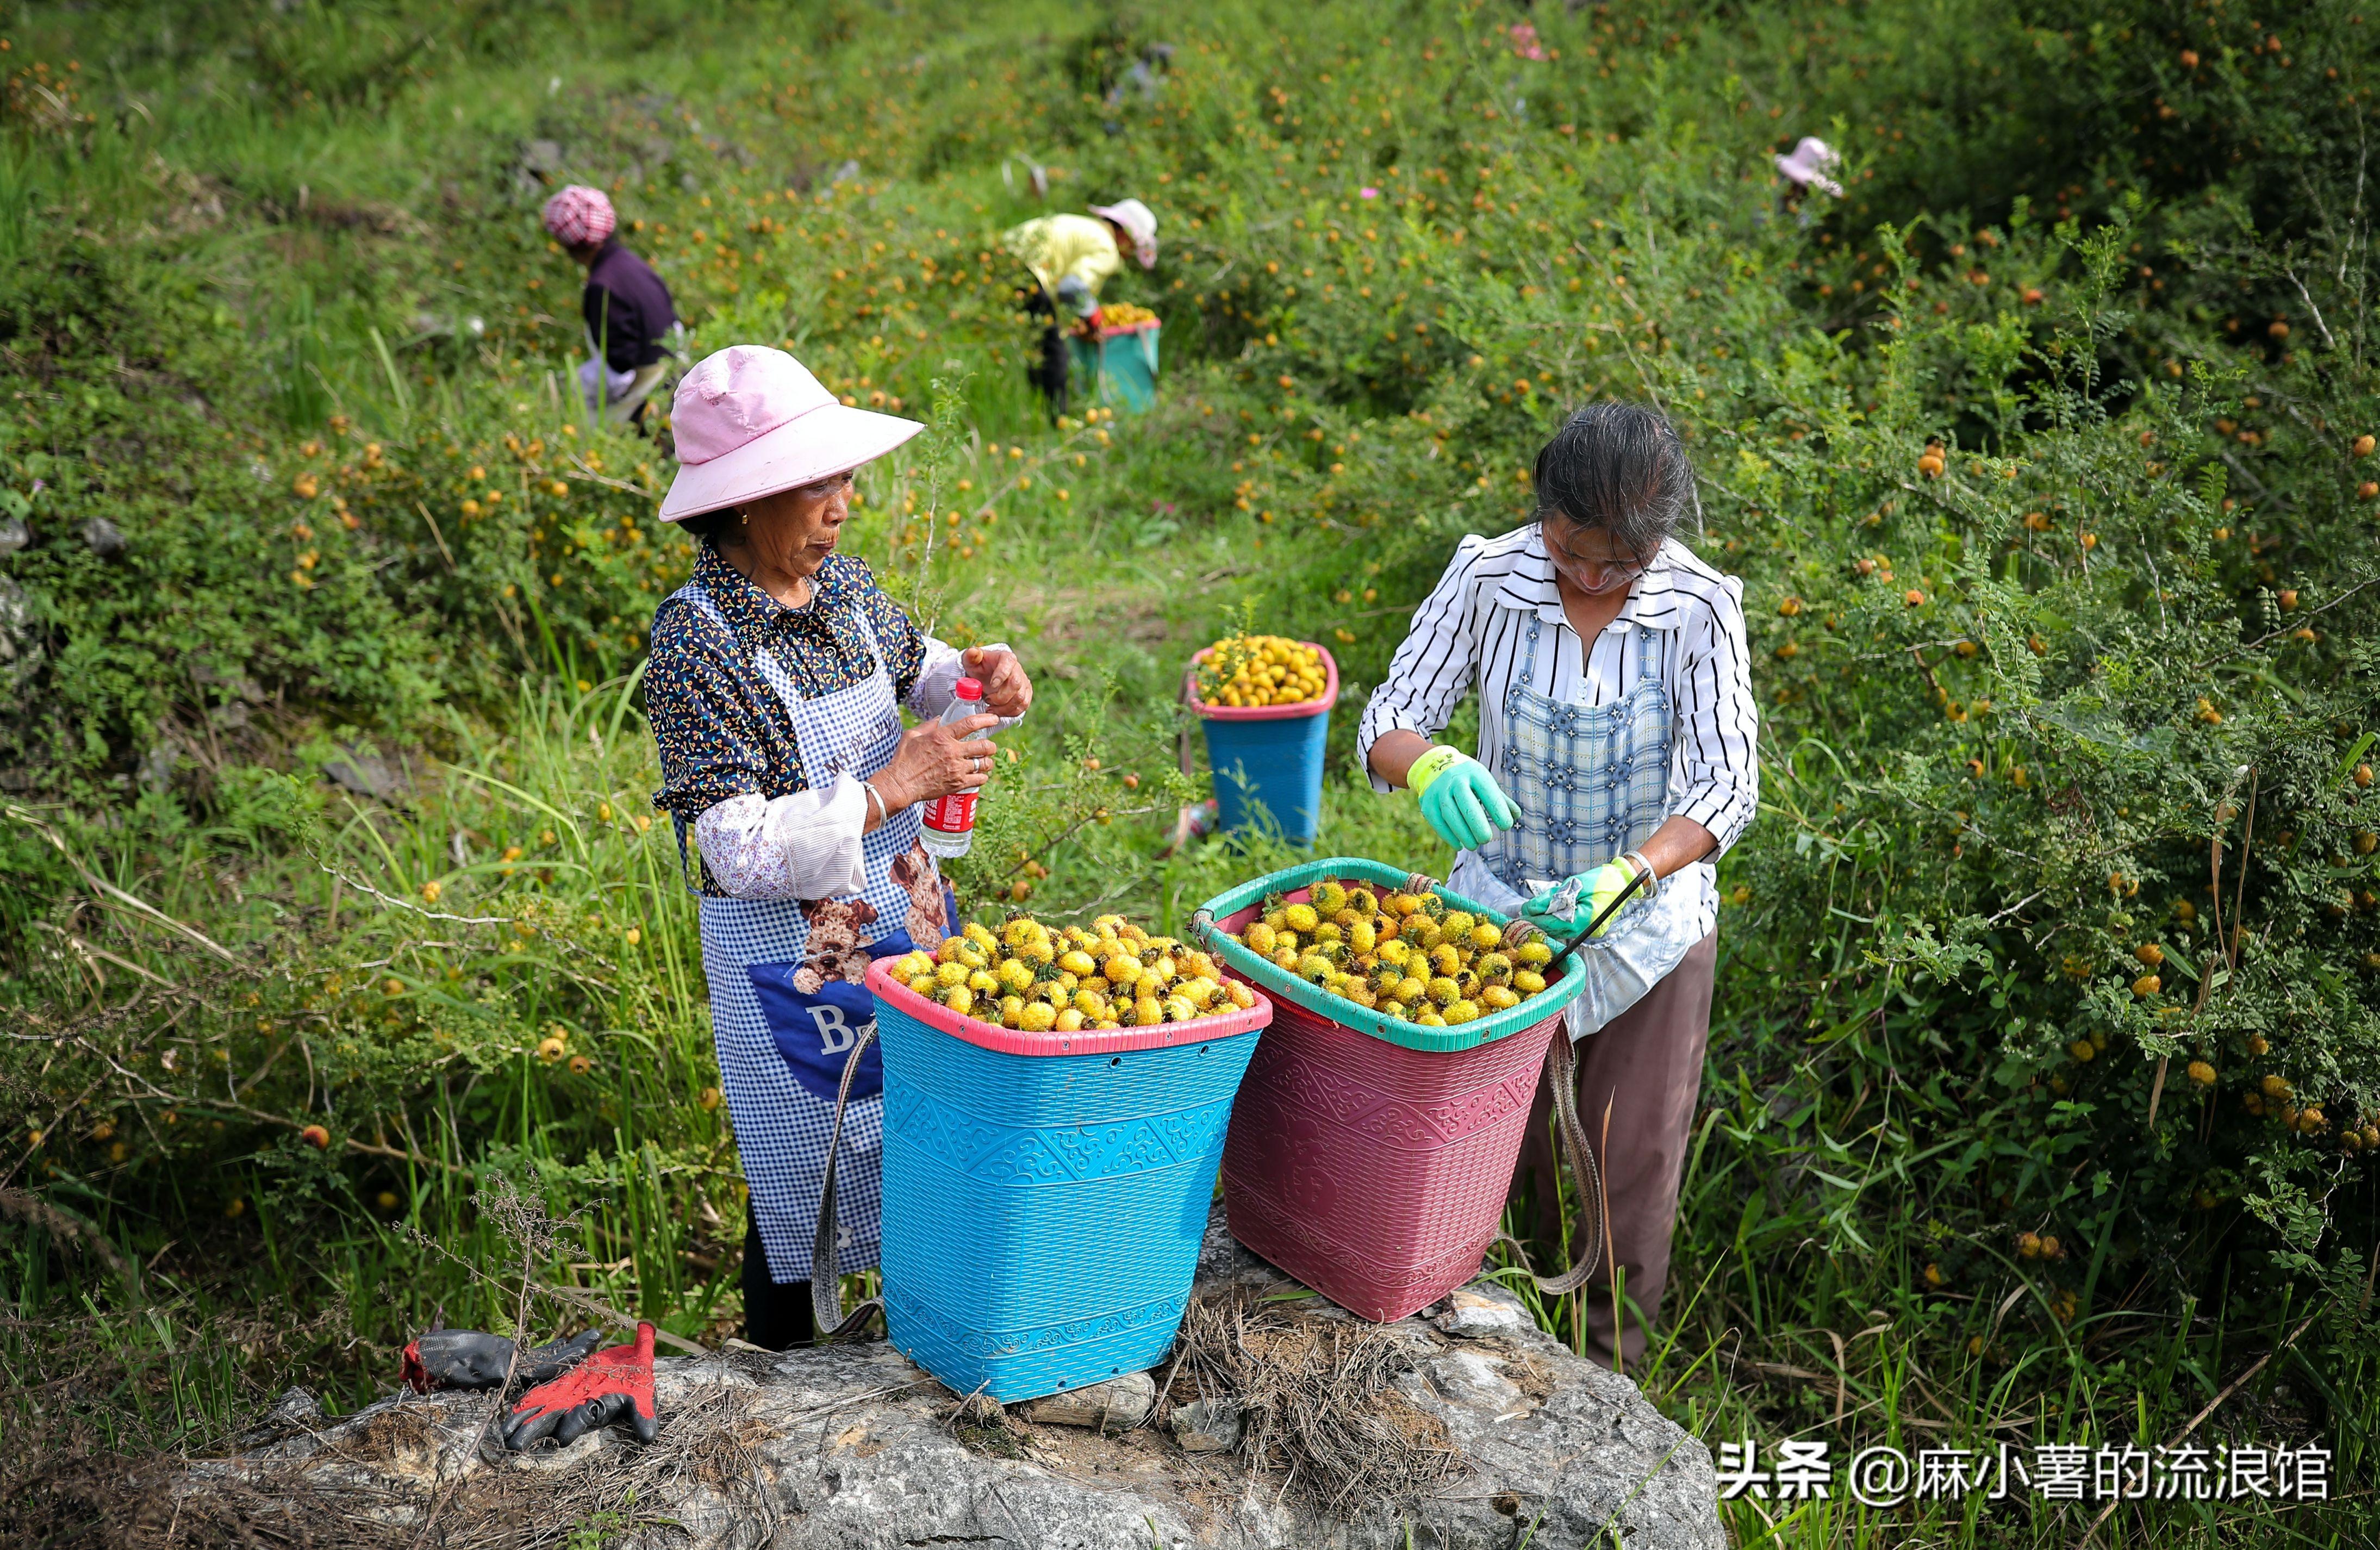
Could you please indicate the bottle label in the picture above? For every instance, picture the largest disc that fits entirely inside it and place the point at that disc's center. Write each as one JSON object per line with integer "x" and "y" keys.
{"x": 953, "y": 814}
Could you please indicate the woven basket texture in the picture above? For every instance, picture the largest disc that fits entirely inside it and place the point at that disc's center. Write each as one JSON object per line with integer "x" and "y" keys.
{"x": 1374, "y": 1173}
{"x": 1042, "y": 1213}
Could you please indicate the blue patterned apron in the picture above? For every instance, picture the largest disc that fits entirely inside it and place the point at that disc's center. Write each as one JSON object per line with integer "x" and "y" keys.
{"x": 780, "y": 1123}
{"x": 1592, "y": 782}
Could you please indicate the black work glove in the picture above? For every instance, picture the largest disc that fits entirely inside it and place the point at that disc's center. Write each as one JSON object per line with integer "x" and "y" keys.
{"x": 468, "y": 1358}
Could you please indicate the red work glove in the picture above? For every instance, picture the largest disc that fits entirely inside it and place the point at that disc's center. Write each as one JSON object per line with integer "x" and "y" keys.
{"x": 610, "y": 1386}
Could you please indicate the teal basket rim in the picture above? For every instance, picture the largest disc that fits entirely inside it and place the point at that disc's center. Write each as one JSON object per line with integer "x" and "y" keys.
{"x": 1280, "y": 982}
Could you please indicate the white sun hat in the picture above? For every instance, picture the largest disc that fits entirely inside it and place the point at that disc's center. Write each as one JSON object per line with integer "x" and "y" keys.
{"x": 1807, "y": 165}
{"x": 1140, "y": 222}
{"x": 750, "y": 421}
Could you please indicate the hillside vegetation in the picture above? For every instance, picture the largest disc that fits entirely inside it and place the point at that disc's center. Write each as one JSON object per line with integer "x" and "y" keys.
{"x": 2043, "y": 1092}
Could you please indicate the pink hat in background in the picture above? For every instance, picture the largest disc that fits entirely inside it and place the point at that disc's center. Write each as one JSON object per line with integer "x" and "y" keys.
{"x": 1139, "y": 222}
{"x": 579, "y": 214}
{"x": 1807, "y": 163}
{"x": 750, "y": 421}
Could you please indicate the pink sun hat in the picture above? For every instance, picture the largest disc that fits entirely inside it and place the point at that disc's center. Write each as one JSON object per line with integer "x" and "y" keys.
{"x": 750, "y": 421}
{"x": 579, "y": 214}
{"x": 1807, "y": 163}
{"x": 1139, "y": 224}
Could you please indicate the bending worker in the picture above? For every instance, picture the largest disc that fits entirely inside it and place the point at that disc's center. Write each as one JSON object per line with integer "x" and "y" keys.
{"x": 1071, "y": 256}
{"x": 629, "y": 312}
{"x": 1616, "y": 735}
{"x": 775, "y": 687}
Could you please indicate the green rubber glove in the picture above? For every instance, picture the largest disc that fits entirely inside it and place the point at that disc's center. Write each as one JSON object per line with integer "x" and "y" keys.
{"x": 1597, "y": 889}
{"x": 1459, "y": 798}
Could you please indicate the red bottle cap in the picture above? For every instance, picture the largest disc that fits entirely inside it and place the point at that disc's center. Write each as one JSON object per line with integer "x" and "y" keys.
{"x": 967, "y": 688}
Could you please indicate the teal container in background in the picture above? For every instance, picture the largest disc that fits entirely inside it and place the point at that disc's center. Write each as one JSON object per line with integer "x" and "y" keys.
{"x": 1118, "y": 367}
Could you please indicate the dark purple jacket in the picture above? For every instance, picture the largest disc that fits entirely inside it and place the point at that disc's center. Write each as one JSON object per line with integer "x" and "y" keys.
{"x": 627, "y": 308}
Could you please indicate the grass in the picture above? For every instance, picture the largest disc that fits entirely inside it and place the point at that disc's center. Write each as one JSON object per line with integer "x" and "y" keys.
{"x": 490, "y": 969}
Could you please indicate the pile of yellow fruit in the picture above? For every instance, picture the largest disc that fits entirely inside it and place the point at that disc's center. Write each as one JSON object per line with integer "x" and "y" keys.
{"x": 1404, "y": 954}
{"x": 1261, "y": 669}
{"x": 1124, "y": 314}
{"x": 1112, "y": 975}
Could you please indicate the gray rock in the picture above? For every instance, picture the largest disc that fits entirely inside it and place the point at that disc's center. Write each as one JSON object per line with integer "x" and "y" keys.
{"x": 297, "y": 1410}
{"x": 1207, "y": 1425}
{"x": 1482, "y": 1308}
{"x": 542, "y": 158}
{"x": 14, "y": 534}
{"x": 851, "y": 1447}
{"x": 103, "y": 537}
{"x": 17, "y": 642}
{"x": 365, "y": 776}
{"x": 1117, "y": 1405}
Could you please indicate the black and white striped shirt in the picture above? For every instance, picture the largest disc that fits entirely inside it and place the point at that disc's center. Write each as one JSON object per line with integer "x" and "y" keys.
{"x": 1471, "y": 630}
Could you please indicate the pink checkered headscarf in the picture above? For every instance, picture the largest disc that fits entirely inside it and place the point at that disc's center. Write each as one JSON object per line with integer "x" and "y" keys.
{"x": 579, "y": 214}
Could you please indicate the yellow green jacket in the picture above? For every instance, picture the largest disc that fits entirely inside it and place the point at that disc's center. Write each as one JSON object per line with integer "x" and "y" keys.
{"x": 1055, "y": 247}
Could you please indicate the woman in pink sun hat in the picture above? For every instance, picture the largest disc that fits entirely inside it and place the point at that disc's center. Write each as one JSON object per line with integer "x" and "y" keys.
{"x": 775, "y": 687}
{"x": 1805, "y": 167}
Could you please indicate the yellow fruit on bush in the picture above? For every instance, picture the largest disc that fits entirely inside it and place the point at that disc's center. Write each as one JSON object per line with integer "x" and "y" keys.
{"x": 2202, "y": 1073}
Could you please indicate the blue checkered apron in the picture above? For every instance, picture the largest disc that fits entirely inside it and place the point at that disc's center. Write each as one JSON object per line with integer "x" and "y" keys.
{"x": 780, "y": 1128}
{"x": 1592, "y": 781}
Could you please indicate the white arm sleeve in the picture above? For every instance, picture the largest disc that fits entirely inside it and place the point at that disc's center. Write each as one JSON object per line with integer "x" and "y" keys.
{"x": 943, "y": 667}
{"x": 803, "y": 845}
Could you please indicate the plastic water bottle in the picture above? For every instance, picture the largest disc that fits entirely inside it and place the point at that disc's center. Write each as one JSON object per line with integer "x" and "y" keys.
{"x": 950, "y": 820}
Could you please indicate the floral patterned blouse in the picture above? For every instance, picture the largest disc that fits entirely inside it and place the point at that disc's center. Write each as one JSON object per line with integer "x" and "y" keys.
{"x": 723, "y": 730}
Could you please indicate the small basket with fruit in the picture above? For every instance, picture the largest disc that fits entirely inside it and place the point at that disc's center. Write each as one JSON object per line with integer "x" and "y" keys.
{"x": 1116, "y": 357}
{"x": 1055, "y": 1101}
{"x": 1373, "y": 1141}
{"x": 1265, "y": 702}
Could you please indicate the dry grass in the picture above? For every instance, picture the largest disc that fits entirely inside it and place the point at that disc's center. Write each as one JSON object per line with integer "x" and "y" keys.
{"x": 381, "y": 1482}
{"x": 1322, "y": 1411}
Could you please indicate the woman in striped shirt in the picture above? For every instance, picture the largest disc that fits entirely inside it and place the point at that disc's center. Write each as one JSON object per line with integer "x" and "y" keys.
{"x": 1616, "y": 751}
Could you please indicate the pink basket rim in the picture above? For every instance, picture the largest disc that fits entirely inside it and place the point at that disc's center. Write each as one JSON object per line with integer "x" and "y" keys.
{"x": 1302, "y": 709}
{"x": 1105, "y": 1041}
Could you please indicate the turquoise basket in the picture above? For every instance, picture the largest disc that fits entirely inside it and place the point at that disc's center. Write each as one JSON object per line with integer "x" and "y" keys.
{"x": 1231, "y": 911}
{"x": 1120, "y": 365}
{"x": 1045, "y": 1194}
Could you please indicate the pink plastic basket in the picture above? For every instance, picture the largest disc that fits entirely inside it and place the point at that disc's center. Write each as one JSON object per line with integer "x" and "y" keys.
{"x": 1372, "y": 1172}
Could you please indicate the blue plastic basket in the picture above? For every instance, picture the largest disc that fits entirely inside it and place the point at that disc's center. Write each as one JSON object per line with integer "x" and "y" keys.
{"x": 1120, "y": 365}
{"x": 1267, "y": 759}
{"x": 1045, "y": 1193}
